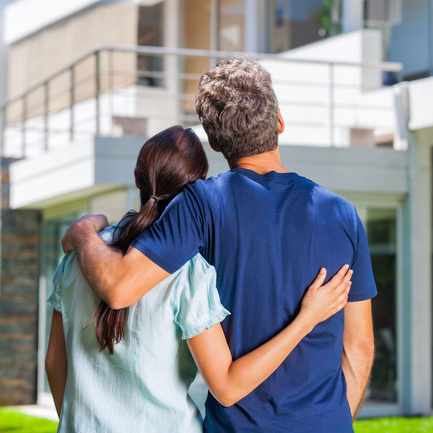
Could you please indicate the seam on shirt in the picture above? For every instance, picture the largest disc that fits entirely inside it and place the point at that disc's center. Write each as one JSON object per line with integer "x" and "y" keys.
{"x": 364, "y": 296}
{"x": 161, "y": 262}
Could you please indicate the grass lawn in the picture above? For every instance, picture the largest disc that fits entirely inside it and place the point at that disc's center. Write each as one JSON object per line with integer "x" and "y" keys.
{"x": 12, "y": 421}
{"x": 395, "y": 425}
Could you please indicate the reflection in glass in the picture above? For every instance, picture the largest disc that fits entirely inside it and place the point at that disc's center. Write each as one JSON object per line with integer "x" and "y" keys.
{"x": 381, "y": 234}
{"x": 51, "y": 255}
{"x": 231, "y": 25}
{"x": 296, "y": 23}
{"x": 209, "y": 25}
{"x": 196, "y": 26}
{"x": 150, "y": 33}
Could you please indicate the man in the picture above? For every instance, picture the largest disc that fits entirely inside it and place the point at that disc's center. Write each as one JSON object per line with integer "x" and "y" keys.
{"x": 267, "y": 231}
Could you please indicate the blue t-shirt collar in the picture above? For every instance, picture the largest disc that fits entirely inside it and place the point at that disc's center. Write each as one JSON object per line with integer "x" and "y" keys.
{"x": 271, "y": 176}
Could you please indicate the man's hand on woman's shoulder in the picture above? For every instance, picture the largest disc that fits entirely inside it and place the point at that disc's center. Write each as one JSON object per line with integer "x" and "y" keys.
{"x": 79, "y": 228}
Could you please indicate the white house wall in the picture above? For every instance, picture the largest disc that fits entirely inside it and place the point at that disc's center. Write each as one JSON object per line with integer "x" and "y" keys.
{"x": 421, "y": 103}
{"x": 84, "y": 168}
{"x": 354, "y": 172}
{"x": 417, "y": 250}
{"x": 45, "y": 176}
{"x": 91, "y": 167}
{"x": 159, "y": 106}
{"x": 322, "y": 102}
{"x": 359, "y": 46}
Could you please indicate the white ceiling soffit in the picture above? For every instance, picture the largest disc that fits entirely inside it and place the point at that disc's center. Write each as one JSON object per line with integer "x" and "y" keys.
{"x": 24, "y": 17}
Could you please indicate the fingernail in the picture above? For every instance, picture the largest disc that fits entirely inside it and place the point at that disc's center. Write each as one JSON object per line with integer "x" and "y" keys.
{"x": 322, "y": 271}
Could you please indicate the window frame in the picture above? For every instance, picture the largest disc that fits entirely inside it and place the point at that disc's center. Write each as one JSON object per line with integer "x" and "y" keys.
{"x": 375, "y": 409}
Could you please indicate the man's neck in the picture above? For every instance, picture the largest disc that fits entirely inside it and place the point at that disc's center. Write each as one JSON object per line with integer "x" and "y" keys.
{"x": 262, "y": 163}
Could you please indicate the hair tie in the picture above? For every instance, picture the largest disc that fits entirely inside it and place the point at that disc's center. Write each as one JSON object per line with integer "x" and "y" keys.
{"x": 155, "y": 198}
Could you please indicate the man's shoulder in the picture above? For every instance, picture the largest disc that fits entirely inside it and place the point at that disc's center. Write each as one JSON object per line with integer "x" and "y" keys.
{"x": 327, "y": 196}
{"x": 207, "y": 186}
{"x": 213, "y": 181}
{"x": 329, "y": 203}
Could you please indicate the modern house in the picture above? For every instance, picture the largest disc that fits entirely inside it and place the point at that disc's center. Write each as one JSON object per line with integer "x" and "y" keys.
{"x": 89, "y": 81}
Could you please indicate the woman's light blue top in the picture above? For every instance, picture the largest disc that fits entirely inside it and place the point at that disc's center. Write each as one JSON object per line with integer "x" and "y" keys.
{"x": 143, "y": 386}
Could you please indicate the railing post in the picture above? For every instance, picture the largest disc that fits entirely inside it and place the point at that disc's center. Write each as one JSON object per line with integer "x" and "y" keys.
{"x": 2, "y": 132}
{"x": 23, "y": 127}
{"x": 214, "y": 42}
{"x": 46, "y": 114}
{"x": 71, "y": 104}
{"x": 97, "y": 90}
{"x": 111, "y": 86}
{"x": 331, "y": 106}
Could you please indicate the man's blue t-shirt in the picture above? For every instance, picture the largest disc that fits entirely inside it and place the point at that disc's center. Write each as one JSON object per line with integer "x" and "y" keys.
{"x": 268, "y": 236}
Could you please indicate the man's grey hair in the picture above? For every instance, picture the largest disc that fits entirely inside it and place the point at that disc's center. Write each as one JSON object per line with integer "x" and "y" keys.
{"x": 238, "y": 108}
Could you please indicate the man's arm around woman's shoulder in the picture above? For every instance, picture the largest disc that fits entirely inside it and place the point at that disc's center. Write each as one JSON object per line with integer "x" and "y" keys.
{"x": 120, "y": 280}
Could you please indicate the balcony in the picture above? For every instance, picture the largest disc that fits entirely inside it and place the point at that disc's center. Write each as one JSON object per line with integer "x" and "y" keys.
{"x": 68, "y": 132}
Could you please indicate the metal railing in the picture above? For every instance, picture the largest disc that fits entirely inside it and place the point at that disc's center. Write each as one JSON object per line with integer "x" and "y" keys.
{"x": 116, "y": 90}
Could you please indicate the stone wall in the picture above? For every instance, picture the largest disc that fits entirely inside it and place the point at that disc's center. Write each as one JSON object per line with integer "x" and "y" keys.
{"x": 18, "y": 300}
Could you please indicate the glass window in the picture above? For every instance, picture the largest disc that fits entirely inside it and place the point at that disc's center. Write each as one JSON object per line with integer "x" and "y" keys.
{"x": 196, "y": 25}
{"x": 231, "y": 25}
{"x": 384, "y": 15}
{"x": 150, "y": 33}
{"x": 294, "y": 23}
{"x": 51, "y": 255}
{"x": 381, "y": 229}
{"x": 407, "y": 38}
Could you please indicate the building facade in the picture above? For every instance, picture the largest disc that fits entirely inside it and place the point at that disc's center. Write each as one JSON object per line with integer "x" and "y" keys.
{"x": 88, "y": 81}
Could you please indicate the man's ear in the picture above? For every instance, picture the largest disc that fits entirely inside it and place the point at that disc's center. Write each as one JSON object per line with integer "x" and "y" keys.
{"x": 280, "y": 123}
{"x": 136, "y": 180}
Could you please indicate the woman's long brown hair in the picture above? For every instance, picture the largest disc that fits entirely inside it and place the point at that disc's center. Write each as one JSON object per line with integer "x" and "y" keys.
{"x": 166, "y": 163}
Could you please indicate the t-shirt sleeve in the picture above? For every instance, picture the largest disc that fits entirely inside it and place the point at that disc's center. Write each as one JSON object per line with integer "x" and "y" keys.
{"x": 197, "y": 305}
{"x": 56, "y": 296}
{"x": 363, "y": 284}
{"x": 177, "y": 236}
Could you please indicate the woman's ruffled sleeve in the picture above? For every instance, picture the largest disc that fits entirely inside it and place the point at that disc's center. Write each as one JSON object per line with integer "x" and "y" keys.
{"x": 197, "y": 304}
{"x": 55, "y": 299}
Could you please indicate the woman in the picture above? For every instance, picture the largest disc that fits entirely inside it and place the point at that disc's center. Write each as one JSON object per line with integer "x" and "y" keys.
{"x": 140, "y": 383}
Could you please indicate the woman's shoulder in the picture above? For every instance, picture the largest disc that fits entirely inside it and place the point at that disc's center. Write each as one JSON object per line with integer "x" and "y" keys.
{"x": 108, "y": 234}
{"x": 197, "y": 305}
{"x": 197, "y": 267}
{"x": 195, "y": 273}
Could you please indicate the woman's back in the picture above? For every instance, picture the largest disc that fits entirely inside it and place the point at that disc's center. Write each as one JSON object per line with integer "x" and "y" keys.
{"x": 143, "y": 385}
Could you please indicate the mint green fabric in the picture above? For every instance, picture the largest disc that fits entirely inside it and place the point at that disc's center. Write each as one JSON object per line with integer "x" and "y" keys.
{"x": 143, "y": 386}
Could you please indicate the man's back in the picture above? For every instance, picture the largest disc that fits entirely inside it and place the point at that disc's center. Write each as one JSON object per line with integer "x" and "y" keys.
{"x": 267, "y": 236}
